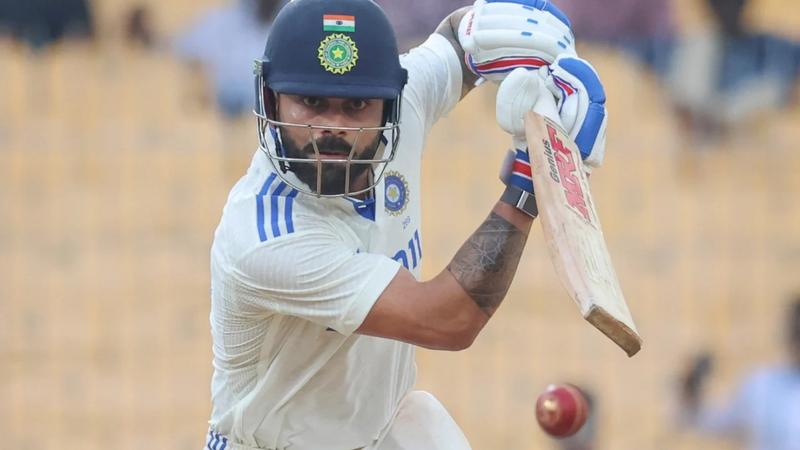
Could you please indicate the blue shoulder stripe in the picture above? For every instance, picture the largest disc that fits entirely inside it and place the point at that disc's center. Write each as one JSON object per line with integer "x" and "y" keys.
{"x": 273, "y": 211}
{"x": 280, "y": 195}
{"x": 262, "y": 232}
{"x": 288, "y": 211}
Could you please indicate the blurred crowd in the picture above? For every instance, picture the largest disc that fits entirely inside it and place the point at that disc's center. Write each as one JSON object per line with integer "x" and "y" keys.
{"x": 223, "y": 43}
{"x": 714, "y": 79}
{"x": 42, "y": 22}
{"x": 764, "y": 411}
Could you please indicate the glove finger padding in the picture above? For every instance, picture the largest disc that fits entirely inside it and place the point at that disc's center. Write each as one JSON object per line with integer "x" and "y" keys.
{"x": 517, "y": 95}
{"x": 582, "y": 99}
{"x": 500, "y": 53}
{"x": 499, "y": 36}
{"x": 545, "y": 5}
{"x": 513, "y": 7}
{"x": 521, "y": 25}
{"x": 512, "y": 17}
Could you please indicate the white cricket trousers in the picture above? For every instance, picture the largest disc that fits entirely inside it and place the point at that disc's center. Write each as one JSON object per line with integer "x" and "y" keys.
{"x": 421, "y": 423}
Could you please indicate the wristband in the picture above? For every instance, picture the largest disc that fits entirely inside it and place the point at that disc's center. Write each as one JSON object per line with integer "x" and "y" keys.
{"x": 522, "y": 200}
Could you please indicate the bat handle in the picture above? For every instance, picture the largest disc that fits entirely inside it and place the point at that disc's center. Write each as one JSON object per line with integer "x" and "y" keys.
{"x": 520, "y": 142}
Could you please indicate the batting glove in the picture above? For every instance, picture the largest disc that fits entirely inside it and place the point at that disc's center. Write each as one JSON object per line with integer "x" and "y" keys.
{"x": 520, "y": 92}
{"x": 517, "y": 175}
{"x": 501, "y": 35}
{"x": 516, "y": 170}
{"x": 581, "y": 105}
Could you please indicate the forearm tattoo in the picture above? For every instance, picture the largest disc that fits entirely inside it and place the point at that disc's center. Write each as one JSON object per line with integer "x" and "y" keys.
{"x": 485, "y": 265}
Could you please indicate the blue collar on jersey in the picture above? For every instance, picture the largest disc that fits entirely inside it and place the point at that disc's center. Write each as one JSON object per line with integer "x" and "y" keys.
{"x": 365, "y": 208}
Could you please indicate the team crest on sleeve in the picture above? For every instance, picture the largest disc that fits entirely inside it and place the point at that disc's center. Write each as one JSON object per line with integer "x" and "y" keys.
{"x": 338, "y": 53}
{"x": 396, "y": 193}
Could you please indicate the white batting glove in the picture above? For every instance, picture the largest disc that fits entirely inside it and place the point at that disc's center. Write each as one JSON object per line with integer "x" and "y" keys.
{"x": 499, "y": 36}
{"x": 519, "y": 93}
{"x": 581, "y": 105}
{"x": 522, "y": 91}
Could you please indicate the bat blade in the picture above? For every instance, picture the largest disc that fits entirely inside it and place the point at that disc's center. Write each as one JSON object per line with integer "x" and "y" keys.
{"x": 572, "y": 230}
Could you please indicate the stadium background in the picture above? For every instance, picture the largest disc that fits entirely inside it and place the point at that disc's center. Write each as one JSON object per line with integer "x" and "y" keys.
{"x": 112, "y": 181}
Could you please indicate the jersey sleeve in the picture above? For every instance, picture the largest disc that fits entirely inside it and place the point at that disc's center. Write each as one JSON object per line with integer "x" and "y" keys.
{"x": 313, "y": 275}
{"x": 434, "y": 79}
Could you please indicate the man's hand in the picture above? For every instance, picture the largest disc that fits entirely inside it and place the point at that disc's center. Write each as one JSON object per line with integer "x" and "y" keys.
{"x": 574, "y": 85}
{"x": 501, "y": 35}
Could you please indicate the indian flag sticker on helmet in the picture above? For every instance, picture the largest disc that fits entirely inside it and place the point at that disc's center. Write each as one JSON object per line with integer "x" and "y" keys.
{"x": 338, "y": 53}
{"x": 336, "y": 22}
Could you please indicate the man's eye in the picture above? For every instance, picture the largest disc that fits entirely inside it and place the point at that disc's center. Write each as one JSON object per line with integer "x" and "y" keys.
{"x": 312, "y": 102}
{"x": 358, "y": 105}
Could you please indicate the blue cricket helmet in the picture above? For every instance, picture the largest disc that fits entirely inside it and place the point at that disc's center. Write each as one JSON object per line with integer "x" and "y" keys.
{"x": 333, "y": 48}
{"x": 330, "y": 48}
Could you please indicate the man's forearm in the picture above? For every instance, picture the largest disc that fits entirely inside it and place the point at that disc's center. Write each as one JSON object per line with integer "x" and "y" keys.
{"x": 485, "y": 265}
{"x": 449, "y": 29}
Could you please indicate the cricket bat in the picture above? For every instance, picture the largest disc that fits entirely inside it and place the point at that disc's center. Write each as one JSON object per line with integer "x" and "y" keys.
{"x": 572, "y": 229}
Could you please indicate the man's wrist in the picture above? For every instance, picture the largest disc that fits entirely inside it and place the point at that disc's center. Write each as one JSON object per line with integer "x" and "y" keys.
{"x": 520, "y": 199}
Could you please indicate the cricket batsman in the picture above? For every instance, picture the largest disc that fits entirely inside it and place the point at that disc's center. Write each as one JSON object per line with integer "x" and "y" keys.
{"x": 316, "y": 299}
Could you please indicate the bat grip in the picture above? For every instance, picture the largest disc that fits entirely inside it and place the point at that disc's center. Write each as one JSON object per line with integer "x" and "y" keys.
{"x": 520, "y": 142}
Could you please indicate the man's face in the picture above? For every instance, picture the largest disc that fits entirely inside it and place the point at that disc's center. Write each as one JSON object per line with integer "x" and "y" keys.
{"x": 331, "y": 143}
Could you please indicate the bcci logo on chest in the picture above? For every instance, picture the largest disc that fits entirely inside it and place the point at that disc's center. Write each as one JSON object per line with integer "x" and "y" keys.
{"x": 396, "y": 193}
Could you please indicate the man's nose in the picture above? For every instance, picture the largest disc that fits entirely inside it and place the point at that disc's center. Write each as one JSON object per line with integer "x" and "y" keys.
{"x": 330, "y": 123}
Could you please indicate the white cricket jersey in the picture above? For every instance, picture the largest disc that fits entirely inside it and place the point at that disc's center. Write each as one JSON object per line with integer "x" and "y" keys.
{"x": 293, "y": 276}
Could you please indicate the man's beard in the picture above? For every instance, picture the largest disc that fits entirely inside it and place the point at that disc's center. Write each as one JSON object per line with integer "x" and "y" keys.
{"x": 333, "y": 173}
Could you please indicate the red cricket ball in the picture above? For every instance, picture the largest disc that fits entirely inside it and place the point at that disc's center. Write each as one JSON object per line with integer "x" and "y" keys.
{"x": 561, "y": 410}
